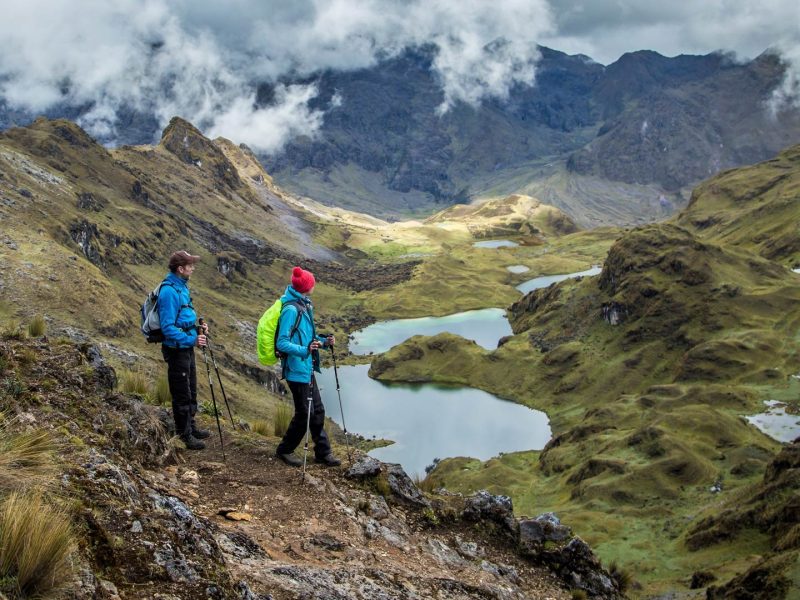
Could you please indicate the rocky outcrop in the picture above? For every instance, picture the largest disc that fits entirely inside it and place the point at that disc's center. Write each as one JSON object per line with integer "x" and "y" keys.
{"x": 187, "y": 143}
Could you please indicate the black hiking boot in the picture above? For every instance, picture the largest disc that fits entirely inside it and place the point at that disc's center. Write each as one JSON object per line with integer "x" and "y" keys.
{"x": 290, "y": 459}
{"x": 200, "y": 434}
{"x": 329, "y": 460}
{"x": 192, "y": 443}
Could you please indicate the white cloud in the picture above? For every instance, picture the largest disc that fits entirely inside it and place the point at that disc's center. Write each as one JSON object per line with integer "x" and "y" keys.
{"x": 605, "y": 29}
{"x": 268, "y": 129}
{"x": 200, "y": 58}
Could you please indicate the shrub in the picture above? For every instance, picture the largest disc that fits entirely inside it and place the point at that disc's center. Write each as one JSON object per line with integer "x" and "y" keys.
{"x": 35, "y": 543}
{"x": 208, "y": 408}
{"x": 260, "y": 426}
{"x": 135, "y": 382}
{"x": 37, "y": 327}
{"x": 161, "y": 394}
{"x": 281, "y": 419}
{"x": 622, "y": 577}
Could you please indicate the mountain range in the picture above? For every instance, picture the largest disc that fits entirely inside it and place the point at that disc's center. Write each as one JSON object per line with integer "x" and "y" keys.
{"x": 616, "y": 144}
{"x": 645, "y": 371}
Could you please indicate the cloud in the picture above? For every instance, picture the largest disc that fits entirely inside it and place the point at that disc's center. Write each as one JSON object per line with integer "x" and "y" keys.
{"x": 605, "y": 29}
{"x": 202, "y": 60}
{"x": 268, "y": 129}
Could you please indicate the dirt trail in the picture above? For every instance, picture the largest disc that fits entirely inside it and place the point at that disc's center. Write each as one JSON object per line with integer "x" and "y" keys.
{"x": 330, "y": 537}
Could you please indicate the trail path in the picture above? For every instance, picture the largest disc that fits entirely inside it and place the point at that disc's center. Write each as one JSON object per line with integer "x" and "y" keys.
{"x": 330, "y": 537}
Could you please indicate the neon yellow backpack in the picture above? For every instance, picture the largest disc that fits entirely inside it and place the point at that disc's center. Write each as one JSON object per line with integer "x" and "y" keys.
{"x": 267, "y": 331}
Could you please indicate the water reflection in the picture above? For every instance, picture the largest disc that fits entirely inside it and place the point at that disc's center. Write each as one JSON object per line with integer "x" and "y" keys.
{"x": 518, "y": 269}
{"x": 484, "y": 326}
{"x": 776, "y": 422}
{"x": 545, "y": 281}
{"x": 495, "y": 244}
{"x": 429, "y": 421}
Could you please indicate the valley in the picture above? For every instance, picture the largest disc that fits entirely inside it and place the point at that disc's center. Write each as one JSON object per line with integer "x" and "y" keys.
{"x": 645, "y": 370}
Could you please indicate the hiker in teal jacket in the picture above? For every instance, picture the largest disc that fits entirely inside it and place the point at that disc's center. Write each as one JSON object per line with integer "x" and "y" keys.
{"x": 299, "y": 349}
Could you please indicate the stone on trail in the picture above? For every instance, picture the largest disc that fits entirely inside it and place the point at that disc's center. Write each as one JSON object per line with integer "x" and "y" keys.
{"x": 238, "y": 516}
{"x": 364, "y": 467}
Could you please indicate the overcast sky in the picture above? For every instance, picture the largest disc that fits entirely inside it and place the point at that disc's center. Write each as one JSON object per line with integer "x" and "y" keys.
{"x": 199, "y": 58}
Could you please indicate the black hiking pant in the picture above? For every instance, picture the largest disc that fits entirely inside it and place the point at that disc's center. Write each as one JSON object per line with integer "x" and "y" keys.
{"x": 182, "y": 377}
{"x": 297, "y": 427}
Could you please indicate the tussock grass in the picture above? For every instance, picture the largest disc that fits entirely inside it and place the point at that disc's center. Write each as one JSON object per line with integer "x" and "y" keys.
{"x": 135, "y": 382}
{"x": 622, "y": 577}
{"x": 35, "y": 543}
{"x": 261, "y": 427}
{"x": 425, "y": 484}
{"x": 160, "y": 393}
{"x": 26, "y": 458}
{"x": 13, "y": 330}
{"x": 37, "y": 327}
{"x": 281, "y": 419}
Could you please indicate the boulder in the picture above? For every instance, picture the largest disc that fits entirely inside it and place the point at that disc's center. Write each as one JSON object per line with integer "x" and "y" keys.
{"x": 403, "y": 488}
{"x": 535, "y": 533}
{"x": 483, "y": 506}
{"x": 363, "y": 468}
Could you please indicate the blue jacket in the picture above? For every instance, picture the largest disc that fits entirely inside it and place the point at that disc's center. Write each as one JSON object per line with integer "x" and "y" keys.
{"x": 176, "y": 313}
{"x": 297, "y": 362}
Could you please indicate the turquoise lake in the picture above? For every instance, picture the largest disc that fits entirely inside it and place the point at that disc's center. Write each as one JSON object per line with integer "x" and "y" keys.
{"x": 430, "y": 421}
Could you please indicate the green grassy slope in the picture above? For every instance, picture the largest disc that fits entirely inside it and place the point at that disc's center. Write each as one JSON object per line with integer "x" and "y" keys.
{"x": 646, "y": 372}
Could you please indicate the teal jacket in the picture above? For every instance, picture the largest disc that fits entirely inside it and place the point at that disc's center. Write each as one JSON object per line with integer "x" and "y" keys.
{"x": 297, "y": 362}
{"x": 176, "y": 313}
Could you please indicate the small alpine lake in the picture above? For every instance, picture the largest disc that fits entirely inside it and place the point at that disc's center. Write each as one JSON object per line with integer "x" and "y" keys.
{"x": 517, "y": 269}
{"x": 430, "y": 421}
{"x": 485, "y": 326}
{"x": 776, "y": 422}
{"x": 496, "y": 244}
{"x": 546, "y": 280}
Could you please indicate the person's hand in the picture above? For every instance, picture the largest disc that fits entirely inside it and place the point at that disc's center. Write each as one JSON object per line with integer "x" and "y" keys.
{"x": 331, "y": 340}
{"x": 204, "y": 326}
{"x": 201, "y": 340}
{"x": 315, "y": 345}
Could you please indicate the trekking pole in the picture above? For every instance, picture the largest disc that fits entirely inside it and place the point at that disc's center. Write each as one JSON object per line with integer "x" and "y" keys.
{"x": 214, "y": 403}
{"x": 341, "y": 409}
{"x": 216, "y": 370}
{"x": 308, "y": 428}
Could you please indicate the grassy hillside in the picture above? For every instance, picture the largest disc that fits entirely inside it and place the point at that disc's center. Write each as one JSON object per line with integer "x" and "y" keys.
{"x": 87, "y": 231}
{"x": 645, "y": 372}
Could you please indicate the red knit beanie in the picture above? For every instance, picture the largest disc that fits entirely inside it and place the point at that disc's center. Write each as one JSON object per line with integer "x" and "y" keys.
{"x": 302, "y": 280}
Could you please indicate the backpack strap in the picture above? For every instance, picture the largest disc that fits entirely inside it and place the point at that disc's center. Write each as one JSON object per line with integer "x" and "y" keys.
{"x": 300, "y": 310}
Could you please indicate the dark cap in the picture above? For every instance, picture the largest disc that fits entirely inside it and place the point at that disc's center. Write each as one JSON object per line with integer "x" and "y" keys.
{"x": 181, "y": 258}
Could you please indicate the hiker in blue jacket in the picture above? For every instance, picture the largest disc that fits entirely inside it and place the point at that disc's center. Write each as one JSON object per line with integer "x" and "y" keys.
{"x": 299, "y": 348}
{"x": 178, "y": 318}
